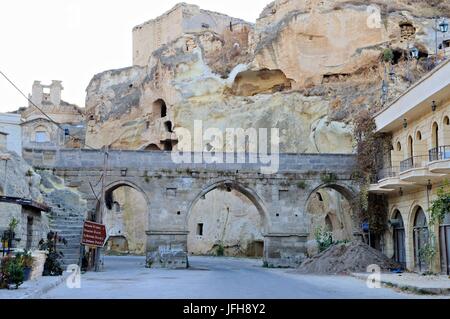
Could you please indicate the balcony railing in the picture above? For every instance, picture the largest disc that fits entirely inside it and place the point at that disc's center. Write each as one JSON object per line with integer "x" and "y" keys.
{"x": 440, "y": 153}
{"x": 414, "y": 162}
{"x": 388, "y": 172}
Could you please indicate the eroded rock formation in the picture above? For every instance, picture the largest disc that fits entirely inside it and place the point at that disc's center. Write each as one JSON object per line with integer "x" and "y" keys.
{"x": 305, "y": 67}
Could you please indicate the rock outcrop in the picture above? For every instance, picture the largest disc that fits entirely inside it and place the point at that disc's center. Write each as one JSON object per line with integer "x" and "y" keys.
{"x": 305, "y": 67}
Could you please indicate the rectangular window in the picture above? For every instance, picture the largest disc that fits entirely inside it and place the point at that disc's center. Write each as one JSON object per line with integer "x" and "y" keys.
{"x": 41, "y": 137}
{"x": 171, "y": 192}
{"x": 283, "y": 194}
{"x": 200, "y": 229}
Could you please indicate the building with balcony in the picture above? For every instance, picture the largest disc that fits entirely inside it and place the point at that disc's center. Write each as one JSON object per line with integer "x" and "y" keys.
{"x": 418, "y": 123}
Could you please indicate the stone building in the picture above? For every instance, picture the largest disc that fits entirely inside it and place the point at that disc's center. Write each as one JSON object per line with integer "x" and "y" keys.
{"x": 20, "y": 199}
{"x": 418, "y": 164}
{"x": 305, "y": 67}
{"x": 10, "y": 133}
{"x": 180, "y": 20}
{"x": 39, "y": 130}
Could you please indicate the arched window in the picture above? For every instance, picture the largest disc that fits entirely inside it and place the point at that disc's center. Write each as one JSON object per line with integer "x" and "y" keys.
{"x": 410, "y": 146}
{"x": 399, "y": 146}
{"x": 435, "y": 135}
{"x": 41, "y": 135}
{"x": 446, "y": 120}
{"x": 419, "y": 135}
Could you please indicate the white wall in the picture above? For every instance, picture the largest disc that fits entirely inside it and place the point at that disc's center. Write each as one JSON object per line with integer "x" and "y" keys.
{"x": 10, "y": 124}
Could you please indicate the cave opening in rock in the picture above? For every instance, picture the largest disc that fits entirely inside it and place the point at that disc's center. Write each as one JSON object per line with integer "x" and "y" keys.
{"x": 160, "y": 108}
{"x": 265, "y": 81}
{"x": 168, "y": 126}
{"x": 152, "y": 148}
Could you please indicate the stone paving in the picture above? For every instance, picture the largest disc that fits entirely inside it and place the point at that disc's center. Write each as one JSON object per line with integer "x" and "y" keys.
{"x": 438, "y": 284}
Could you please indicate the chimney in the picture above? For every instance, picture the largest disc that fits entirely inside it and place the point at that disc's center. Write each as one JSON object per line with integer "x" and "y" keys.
{"x": 55, "y": 92}
{"x": 37, "y": 93}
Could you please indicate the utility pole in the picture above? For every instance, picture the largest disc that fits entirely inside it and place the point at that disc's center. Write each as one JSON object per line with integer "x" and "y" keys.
{"x": 99, "y": 215}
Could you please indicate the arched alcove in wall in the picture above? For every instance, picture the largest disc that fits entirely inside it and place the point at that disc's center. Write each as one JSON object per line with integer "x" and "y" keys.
{"x": 329, "y": 209}
{"x": 226, "y": 218}
{"x": 126, "y": 219}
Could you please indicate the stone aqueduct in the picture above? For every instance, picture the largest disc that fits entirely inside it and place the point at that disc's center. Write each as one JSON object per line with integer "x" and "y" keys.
{"x": 172, "y": 190}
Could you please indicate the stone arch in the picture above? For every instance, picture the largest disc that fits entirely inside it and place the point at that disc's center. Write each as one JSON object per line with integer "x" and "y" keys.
{"x": 349, "y": 223}
{"x": 127, "y": 226}
{"x": 435, "y": 135}
{"x": 415, "y": 239}
{"x": 410, "y": 146}
{"x": 109, "y": 189}
{"x": 446, "y": 120}
{"x": 248, "y": 192}
{"x": 344, "y": 190}
{"x": 397, "y": 235}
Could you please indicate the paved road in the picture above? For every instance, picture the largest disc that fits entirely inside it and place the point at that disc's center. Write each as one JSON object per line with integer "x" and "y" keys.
{"x": 214, "y": 278}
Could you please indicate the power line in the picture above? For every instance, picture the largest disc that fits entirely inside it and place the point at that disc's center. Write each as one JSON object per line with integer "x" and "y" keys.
{"x": 47, "y": 116}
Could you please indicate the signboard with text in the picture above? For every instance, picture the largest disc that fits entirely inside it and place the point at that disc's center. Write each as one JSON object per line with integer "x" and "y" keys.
{"x": 94, "y": 234}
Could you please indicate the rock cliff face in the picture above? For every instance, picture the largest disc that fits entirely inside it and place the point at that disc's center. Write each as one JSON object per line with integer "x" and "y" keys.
{"x": 20, "y": 180}
{"x": 305, "y": 67}
{"x": 67, "y": 206}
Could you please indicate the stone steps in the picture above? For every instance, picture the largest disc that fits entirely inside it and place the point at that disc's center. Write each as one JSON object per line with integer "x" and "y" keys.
{"x": 70, "y": 227}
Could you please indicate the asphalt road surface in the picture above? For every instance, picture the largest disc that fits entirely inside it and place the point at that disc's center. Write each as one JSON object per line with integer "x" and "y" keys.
{"x": 214, "y": 278}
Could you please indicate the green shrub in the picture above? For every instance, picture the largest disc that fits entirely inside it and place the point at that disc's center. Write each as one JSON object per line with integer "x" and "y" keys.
{"x": 220, "y": 250}
{"x": 52, "y": 266}
{"x": 302, "y": 185}
{"x": 11, "y": 272}
{"x": 324, "y": 239}
{"x": 388, "y": 55}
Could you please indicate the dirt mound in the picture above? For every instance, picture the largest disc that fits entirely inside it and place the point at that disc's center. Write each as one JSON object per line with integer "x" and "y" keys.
{"x": 346, "y": 258}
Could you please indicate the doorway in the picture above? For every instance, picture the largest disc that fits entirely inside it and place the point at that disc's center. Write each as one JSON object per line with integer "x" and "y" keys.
{"x": 421, "y": 234}
{"x": 444, "y": 239}
{"x": 399, "y": 240}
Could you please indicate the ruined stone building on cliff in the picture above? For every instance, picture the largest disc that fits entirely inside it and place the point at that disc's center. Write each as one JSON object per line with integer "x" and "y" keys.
{"x": 49, "y": 121}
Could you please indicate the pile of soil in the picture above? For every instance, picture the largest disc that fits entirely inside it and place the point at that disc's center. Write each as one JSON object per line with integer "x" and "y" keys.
{"x": 352, "y": 257}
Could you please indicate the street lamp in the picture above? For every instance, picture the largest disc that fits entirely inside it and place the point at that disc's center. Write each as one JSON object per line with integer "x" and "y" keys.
{"x": 441, "y": 27}
{"x": 414, "y": 53}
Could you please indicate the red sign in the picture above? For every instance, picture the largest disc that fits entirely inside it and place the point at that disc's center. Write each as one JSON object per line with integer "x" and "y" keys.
{"x": 94, "y": 234}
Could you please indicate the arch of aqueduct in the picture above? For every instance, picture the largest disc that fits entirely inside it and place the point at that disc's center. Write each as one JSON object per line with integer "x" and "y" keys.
{"x": 171, "y": 190}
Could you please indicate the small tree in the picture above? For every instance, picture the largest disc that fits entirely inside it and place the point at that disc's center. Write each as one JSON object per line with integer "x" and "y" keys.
{"x": 438, "y": 209}
{"x": 52, "y": 266}
{"x": 370, "y": 146}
